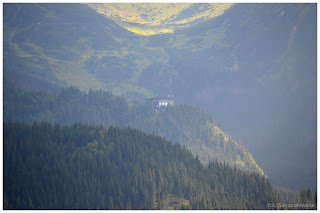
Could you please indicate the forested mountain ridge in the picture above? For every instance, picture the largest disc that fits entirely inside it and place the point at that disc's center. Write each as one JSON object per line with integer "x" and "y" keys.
{"x": 88, "y": 167}
{"x": 187, "y": 125}
{"x": 253, "y": 67}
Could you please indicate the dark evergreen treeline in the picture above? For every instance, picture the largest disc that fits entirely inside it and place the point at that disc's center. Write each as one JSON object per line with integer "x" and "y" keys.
{"x": 89, "y": 167}
{"x": 187, "y": 125}
{"x": 70, "y": 105}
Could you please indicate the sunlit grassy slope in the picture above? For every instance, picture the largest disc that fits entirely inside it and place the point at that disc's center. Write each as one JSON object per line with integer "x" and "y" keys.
{"x": 158, "y": 18}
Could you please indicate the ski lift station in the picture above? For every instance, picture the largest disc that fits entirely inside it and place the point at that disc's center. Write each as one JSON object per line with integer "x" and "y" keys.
{"x": 161, "y": 102}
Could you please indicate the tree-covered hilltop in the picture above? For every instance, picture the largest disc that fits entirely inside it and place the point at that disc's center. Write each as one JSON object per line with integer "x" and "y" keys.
{"x": 185, "y": 124}
{"x": 81, "y": 166}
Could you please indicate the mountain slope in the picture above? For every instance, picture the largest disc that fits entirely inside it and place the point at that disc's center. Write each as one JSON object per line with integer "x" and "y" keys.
{"x": 187, "y": 125}
{"x": 88, "y": 167}
{"x": 151, "y": 19}
{"x": 231, "y": 45}
{"x": 253, "y": 67}
{"x": 58, "y": 43}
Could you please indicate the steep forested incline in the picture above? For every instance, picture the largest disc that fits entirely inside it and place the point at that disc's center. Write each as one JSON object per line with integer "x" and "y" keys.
{"x": 88, "y": 167}
{"x": 184, "y": 124}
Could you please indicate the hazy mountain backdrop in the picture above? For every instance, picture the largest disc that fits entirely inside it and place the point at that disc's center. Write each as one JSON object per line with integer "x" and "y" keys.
{"x": 252, "y": 66}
